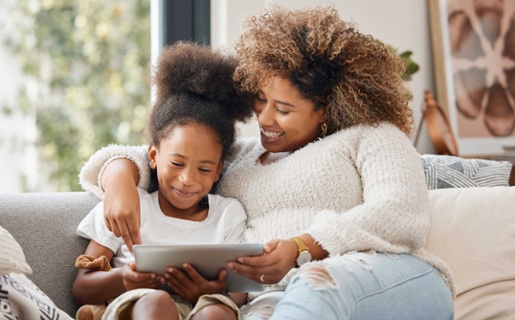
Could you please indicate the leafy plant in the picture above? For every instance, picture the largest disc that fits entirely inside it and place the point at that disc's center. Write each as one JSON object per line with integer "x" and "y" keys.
{"x": 88, "y": 63}
{"x": 411, "y": 66}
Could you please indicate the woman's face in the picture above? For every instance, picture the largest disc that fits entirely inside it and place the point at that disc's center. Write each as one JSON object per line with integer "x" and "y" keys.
{"x": 287, "y": 120}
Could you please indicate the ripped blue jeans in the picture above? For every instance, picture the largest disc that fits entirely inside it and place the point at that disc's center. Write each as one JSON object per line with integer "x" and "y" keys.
{"x": 359, "y": 286}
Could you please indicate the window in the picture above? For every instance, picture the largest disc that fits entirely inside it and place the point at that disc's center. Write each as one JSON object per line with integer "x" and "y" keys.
{"x": 79, "y": 79}
{"x": 85, "y": 83}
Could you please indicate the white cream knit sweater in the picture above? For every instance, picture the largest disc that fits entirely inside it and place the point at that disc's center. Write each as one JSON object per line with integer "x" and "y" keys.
{"x": 360, "y": 189}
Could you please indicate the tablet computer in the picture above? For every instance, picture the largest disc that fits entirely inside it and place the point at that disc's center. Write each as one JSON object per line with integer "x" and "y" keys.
{"x": 207, "y": 259}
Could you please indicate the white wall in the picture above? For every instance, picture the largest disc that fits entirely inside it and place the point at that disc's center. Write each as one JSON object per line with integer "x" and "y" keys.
{"x": 399, "y": 23}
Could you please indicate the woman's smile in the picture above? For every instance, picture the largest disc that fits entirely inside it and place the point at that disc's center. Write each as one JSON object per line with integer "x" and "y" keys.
{"x": 270, "y": 136}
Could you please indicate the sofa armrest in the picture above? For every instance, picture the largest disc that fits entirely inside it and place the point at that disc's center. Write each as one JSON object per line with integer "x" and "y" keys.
{"x": 45, "y": 225}
{"x": 472, "y": 230}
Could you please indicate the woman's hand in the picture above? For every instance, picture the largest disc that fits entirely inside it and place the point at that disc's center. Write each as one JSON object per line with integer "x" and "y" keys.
{"x": 135, "y": 280}
{"x": 190, "y": 285}
{"x": 278, "y": 258}
{"x": 121, "y": 200}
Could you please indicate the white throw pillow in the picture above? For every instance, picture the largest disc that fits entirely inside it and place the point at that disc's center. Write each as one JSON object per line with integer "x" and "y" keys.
{"x": 473, "y": 230}
{"x": 12, "y": 258}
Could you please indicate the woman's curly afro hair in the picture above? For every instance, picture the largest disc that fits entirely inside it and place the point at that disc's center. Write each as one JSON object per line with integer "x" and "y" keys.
{"x": 355, "y": 78}
{"x": 195, "y": 85}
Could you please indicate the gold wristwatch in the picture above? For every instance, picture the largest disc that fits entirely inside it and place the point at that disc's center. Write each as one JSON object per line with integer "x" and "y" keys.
{"x": 304, "y": 255}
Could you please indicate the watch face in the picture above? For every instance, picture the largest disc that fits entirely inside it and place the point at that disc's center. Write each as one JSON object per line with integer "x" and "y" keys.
{"x": 304, "y": 257}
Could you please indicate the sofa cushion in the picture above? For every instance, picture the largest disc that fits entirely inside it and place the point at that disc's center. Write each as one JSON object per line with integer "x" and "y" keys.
{"x": 473, "y": 230}
{"x": 12, "y": 258}
{"x": 455, "y": 172}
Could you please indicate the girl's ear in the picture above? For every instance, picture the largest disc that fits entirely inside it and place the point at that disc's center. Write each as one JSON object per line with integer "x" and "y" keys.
{"x": 152, "y": 154}
{"x": 219, "y": 171}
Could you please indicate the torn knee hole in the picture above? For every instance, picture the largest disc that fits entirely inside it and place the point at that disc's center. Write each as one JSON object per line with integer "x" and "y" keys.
{"x": 317, "y": 276}
{"x": 264, "y": 312}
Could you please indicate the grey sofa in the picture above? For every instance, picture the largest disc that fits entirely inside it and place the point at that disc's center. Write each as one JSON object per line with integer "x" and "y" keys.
{"x": 472, "y": 229}
{"x": 45, "y": 224}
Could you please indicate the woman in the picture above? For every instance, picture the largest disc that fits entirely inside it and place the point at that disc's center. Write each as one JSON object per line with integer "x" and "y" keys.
{"x": 334, "y": 187}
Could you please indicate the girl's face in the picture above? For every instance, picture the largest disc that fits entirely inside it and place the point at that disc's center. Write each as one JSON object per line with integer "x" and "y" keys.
{"x": 287, "y": 120}
{"x": 188, "y": 163}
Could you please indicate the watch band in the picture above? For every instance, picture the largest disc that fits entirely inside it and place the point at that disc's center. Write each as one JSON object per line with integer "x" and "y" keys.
{"x": 300, "y": 244}
{"x": 304, "y": 256}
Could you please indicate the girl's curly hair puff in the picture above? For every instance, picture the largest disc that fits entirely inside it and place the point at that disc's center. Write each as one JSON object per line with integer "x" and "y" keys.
{"x": 355, "y": 78}
{"x": 190, "y": 68}
{"x": 195, "y": 85}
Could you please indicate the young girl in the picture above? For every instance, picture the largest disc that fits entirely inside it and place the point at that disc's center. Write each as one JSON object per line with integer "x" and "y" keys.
{"x": 191, "y": 130}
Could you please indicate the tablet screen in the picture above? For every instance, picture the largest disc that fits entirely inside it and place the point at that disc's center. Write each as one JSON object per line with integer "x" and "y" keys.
{"x": 207, "y": 259}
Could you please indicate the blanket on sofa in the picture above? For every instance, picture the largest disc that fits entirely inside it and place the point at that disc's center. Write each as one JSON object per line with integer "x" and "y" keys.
{"x": 20, "y": 298}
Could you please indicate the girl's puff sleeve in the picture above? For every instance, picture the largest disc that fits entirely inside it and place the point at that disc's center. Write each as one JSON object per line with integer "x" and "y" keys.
{"x": 91, "y": 173}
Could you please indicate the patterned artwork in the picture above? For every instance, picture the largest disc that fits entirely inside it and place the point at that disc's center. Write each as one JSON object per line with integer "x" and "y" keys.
{"x": 474, "y": 55}
{"x": 482, "y": 36}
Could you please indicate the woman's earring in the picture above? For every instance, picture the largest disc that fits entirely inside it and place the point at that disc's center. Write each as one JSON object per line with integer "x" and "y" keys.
{"x": 323, "y": 129}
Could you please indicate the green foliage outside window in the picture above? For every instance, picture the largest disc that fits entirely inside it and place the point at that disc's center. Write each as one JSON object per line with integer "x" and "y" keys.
{"x": 90, "y": 61}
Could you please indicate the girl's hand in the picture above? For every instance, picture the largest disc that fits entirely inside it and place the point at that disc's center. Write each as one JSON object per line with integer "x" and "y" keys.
{"x": 190, "y": 285}
{"x": 278, "y": 258}
{"x": 121, "y": 201}
{"x": 135, "y": 280}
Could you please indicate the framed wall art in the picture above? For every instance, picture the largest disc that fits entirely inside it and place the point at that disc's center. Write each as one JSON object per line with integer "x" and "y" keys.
{"x": 474, "y": 65}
